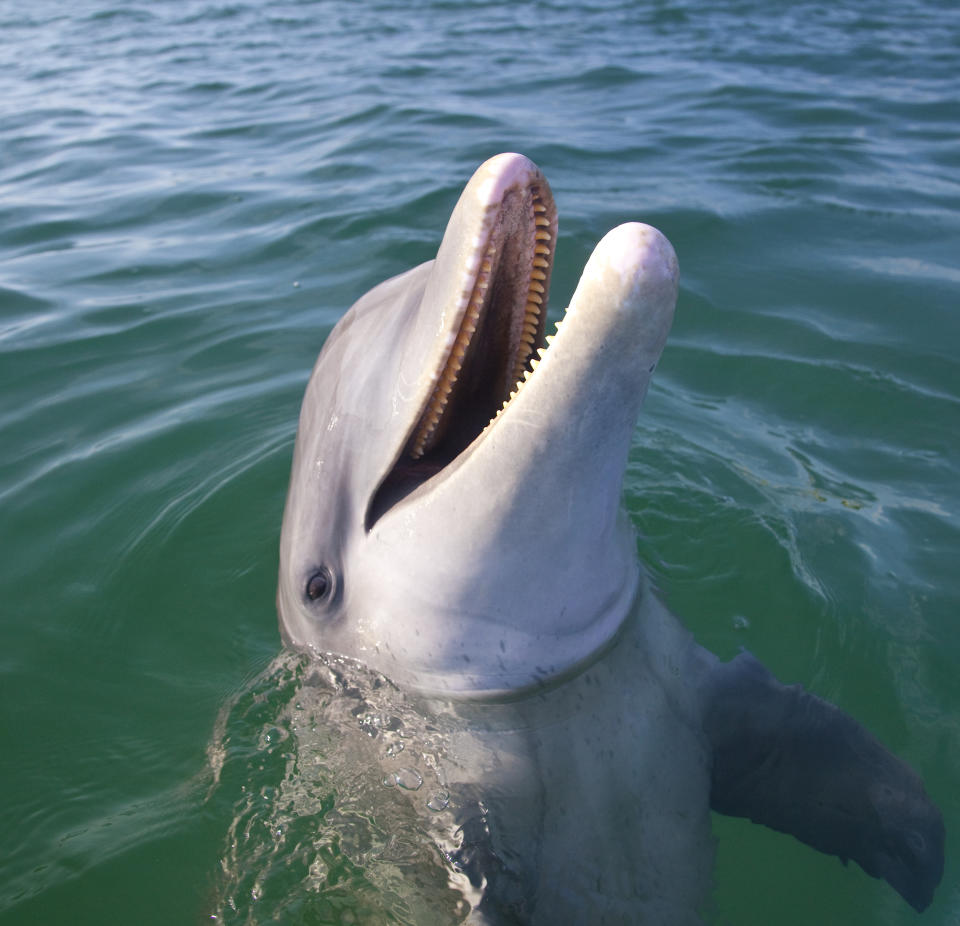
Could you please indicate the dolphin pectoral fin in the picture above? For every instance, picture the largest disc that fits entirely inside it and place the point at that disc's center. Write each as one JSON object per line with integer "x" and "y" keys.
{"x": 789, "y": 760}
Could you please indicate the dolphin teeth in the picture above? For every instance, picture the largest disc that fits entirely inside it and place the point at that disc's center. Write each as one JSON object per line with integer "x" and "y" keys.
{"x": 481, "y": 266}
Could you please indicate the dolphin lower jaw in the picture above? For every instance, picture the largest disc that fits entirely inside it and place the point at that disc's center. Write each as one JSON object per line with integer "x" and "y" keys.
{"x": 570, "y": 420}
{"x": 623, "y": 308}
{"x": 469, "y": 551}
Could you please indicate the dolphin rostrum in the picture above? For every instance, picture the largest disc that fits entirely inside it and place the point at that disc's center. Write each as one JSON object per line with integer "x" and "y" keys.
{"x": 454, "y": 522}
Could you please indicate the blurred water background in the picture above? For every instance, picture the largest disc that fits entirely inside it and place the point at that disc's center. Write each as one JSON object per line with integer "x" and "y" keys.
{"x": 193, "y": 192}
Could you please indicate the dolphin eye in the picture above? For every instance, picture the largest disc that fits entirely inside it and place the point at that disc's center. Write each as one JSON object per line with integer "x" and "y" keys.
{"x": 320, "y": 585}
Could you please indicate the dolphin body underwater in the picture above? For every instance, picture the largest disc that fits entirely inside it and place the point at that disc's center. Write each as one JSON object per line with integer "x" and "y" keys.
{"x": 453, "y": 523}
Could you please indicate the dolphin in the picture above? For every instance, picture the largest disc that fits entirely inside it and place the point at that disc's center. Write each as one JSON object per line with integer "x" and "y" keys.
{"x": 453, "y": 523}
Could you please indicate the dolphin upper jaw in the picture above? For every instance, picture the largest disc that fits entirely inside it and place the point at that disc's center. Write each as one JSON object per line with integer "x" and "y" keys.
{"x": 495, "y": 259}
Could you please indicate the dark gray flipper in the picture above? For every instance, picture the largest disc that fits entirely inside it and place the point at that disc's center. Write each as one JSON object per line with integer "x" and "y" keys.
{"x": 795, "y": 763}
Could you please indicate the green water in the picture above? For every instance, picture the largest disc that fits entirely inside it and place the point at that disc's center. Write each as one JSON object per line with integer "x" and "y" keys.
{"x": 191, "y": 194}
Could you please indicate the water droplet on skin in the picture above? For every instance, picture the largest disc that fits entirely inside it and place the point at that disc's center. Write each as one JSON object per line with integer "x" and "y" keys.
{"x": 408, "y": 779}
{"x": 389, "y": 780}
{"x": 438, "y": 801}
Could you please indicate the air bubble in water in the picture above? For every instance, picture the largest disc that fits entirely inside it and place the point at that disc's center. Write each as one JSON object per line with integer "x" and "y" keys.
{"x": 408, "y": 779}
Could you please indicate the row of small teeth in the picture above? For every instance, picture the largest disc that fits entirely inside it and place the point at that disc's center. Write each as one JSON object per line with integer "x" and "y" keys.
{"x": 536, "y": 292}
{"x": 526, "y": 374}
{"x": 441, "y": 394}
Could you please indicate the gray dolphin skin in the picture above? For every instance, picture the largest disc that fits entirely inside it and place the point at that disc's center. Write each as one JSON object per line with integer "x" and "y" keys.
{"x": 453, "y": 522}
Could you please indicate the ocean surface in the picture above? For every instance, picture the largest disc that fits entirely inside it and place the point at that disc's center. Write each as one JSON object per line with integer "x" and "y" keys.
{"x": 193, "y": 192}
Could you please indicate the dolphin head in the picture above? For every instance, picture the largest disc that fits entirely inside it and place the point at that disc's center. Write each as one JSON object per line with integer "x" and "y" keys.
{"x": 453, "y": 515}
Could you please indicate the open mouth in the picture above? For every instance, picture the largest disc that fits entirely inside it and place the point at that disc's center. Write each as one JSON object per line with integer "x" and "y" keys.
{"x": 494, "y": 348}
